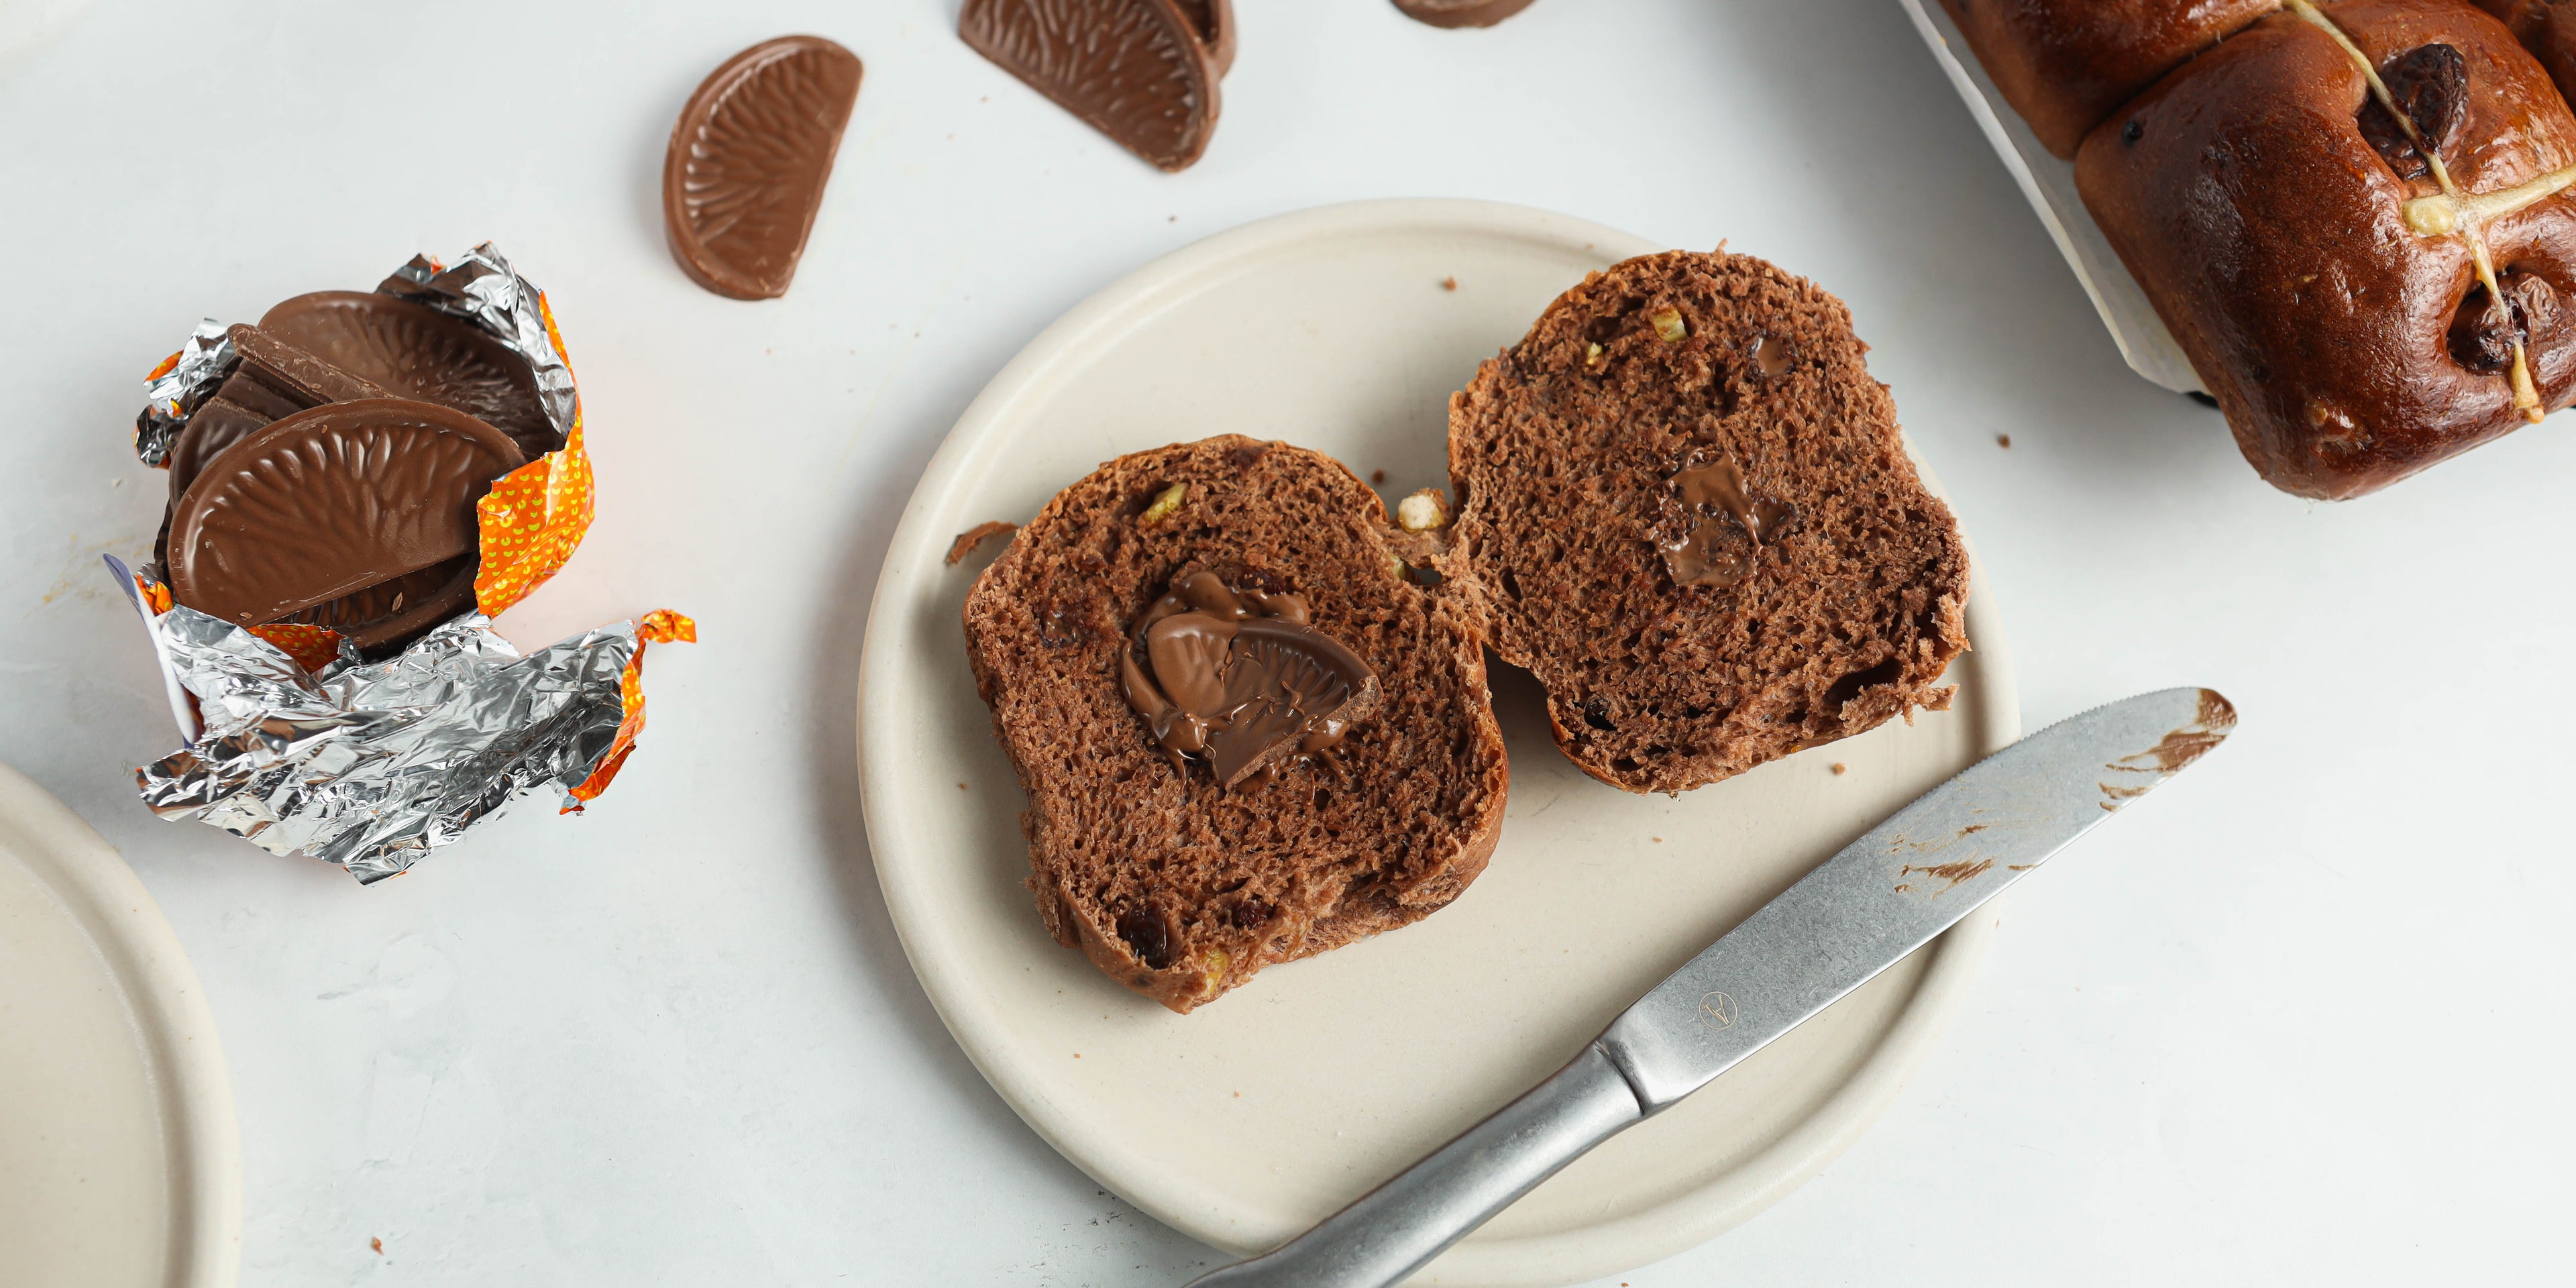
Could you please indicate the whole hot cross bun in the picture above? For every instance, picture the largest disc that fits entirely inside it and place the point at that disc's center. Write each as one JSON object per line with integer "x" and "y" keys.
{"x": 2317, "y": 255}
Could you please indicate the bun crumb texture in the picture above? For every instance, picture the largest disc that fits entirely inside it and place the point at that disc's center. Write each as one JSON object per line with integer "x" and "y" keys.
{"x": 1685, "y": 507}
{"x": 1173, "y": 885}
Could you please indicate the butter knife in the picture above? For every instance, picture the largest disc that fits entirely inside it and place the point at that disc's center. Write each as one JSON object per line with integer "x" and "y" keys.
{"x": 1862, "y": 911}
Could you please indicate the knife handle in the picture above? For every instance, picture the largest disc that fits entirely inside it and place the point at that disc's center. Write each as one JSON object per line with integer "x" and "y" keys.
{"x": 1397, "y": 1227}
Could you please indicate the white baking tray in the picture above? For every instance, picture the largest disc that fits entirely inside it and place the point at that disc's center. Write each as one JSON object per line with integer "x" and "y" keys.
{"x": 2050, "y": 186}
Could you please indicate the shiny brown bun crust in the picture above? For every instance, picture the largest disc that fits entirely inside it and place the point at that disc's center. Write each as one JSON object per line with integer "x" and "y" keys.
{"x": 2271, "y": 237}
{"x": 2066, "y": 64}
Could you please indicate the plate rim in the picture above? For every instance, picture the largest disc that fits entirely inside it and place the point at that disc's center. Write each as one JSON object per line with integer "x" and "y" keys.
{"x": 1637, "y": 1238}
{"x": 84, "y": 870}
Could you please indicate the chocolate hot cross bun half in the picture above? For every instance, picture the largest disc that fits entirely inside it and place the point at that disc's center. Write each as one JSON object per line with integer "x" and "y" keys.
{"x": 2319, "y": 259}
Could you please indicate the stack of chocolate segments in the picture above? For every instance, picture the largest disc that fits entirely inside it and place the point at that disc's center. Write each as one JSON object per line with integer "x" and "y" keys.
{"x": 331, "y": 479}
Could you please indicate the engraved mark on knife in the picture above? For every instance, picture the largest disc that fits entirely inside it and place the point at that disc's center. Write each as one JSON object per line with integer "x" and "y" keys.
{"x": 1717, "y": 1010}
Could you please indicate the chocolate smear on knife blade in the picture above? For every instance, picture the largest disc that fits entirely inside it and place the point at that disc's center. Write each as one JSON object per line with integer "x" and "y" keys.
{"x": 358, "y": 516}
{"x": 748, "y": 161}
{"x": 1136, "y": 70}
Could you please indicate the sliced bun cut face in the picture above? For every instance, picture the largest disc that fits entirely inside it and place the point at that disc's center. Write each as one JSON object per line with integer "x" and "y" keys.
{"x": 1247, "y": 732}
{"x": 1686, "y": 508}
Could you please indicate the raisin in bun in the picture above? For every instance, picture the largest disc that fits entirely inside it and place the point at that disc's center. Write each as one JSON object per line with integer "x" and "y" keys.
{"x": 2318, "y": 259}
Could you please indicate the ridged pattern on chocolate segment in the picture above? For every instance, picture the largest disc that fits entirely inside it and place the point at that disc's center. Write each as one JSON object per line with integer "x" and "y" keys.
{"x": 1563, "y": 452}
{"x": 1461, "y": 13}
{"x": 327, "y": 502}
{"x": 1132, "y": 68}
{"x": 1213, "y": 22}
{"x": 418, "y": 352}
{"x": 752, "y": 153}
{"x": 218, "y": 424}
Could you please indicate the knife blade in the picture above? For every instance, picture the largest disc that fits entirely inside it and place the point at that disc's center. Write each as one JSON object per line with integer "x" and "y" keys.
{"x": 1858, "y": 913}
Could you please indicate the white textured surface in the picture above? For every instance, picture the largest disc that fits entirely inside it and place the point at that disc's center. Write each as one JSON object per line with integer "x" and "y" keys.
{"x": 2297, "y": 1018}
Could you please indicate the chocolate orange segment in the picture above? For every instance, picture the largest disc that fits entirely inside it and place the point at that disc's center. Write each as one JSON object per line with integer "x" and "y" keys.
{"x": 1212, "y": 21}
{"x": 1461, "y": 13}
{"x": 1136, "y": 70}
{"x": 414, "y": 351}
{"x": 358, "y": 516}
{"x": 748, "y": 160}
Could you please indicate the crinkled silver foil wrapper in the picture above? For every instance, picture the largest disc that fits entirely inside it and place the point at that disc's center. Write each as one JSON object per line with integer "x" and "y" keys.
{"x": 481, "y": 288}
{"x": 373, "y": 765}
{"x": 171, "y": 398}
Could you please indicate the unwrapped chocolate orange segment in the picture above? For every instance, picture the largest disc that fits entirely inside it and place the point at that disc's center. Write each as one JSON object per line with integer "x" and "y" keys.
{"x": 1460, "y": 13}
{"x": 1140, "y": 71}
{"x": 748, "y": 161}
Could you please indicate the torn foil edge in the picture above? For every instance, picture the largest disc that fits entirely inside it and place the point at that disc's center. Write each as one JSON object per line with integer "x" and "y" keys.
{"x": 372, "y": 765}
{"x": 172, "y": 396}
{"x": 183, "y": 711}
{"x": 481, "y": 288}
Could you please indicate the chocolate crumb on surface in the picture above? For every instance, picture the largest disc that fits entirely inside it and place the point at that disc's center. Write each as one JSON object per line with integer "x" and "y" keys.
{"x": 1378, "y": 477}
{"x": 2004, "y": 441}
{"x": 1564, "y": 451}
{"x": 968, "y": 541}
{"x": 1460, "y": 13}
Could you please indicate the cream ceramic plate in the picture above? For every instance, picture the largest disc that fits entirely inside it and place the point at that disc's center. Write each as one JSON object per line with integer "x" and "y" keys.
{"x": 120, "y": 1166}
{"x": 1249, "y": 1120}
